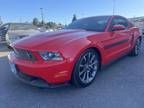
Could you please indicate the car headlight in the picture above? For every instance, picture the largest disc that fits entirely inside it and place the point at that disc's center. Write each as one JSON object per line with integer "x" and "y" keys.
{"x": 50, "y": 55}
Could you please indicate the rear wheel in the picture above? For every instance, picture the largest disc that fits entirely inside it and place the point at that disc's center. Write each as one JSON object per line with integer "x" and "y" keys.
{"x": 86, "y": 68}
{"x": 136, "y": 50}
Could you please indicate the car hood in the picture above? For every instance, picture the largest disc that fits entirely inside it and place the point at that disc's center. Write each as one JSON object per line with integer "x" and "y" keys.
{"x": 51, "y": 40}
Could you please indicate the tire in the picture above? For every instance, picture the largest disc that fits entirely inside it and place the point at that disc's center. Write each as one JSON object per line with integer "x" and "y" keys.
{"x": 137, "y": 48}
{"x": 86, "y": 68}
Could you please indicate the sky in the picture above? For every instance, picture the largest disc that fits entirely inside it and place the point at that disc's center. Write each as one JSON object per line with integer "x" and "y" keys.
{"x": 61, "y": 11}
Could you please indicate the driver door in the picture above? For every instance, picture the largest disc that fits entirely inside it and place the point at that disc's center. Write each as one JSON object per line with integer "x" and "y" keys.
{"x": 118, "y": 42}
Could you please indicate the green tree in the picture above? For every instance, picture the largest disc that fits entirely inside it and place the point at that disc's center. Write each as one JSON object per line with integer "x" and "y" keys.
{"x": 36, "y": 22}
{"x": 51, "y": 25}
{"x": 42, "y": 23}
{"x": 74, "y": 18}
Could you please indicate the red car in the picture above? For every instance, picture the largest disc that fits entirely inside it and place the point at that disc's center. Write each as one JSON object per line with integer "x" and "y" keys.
{"x": 76, "y": 53}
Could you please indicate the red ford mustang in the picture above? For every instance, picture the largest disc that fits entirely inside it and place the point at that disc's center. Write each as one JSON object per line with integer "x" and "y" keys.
{"x": 76, "y": 53}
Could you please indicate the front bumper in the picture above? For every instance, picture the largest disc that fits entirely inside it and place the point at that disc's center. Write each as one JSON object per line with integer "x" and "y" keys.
{"x": 41, "y": 74}
{"x": 34, "y": 81}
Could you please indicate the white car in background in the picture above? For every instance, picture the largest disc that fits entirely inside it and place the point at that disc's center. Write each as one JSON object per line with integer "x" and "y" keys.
{"x": 17, "y": 31}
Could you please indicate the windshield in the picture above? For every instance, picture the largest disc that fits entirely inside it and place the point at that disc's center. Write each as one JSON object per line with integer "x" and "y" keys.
{"x": 97, "y": 24}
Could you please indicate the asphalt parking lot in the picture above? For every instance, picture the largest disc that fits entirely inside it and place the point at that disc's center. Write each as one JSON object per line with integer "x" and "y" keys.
{"x": 120, "y": 85}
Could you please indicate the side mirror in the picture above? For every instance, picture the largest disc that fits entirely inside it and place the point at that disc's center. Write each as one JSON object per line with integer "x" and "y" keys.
{"x": 118, "y": 27}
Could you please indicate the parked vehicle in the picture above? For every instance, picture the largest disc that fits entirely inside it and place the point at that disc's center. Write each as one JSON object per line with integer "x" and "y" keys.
{"x": 3, "y": 31}
{"x": 76, "y": 53}
{"x": 15, "y": 31}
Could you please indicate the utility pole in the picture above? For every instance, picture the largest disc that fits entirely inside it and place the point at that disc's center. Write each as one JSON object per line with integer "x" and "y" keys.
{"x": 42, "y": 16}
{"x": 114, "y": 6}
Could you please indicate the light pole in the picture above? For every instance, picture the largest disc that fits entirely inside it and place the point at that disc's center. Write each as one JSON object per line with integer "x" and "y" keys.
{"x": 114, "y": 5}
{"x": 42, "y": 16}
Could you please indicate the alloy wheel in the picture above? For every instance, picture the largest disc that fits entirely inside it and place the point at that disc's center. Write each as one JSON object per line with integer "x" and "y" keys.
{"x": 88, "y": 67}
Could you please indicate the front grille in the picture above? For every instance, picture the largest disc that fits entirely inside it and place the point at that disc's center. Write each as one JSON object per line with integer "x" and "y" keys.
{"x": 24, "y": 54}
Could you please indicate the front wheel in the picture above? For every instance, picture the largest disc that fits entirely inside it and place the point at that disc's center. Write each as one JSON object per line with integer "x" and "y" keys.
{"x": 86, "y": 68}
{"x": 136, "y": 50}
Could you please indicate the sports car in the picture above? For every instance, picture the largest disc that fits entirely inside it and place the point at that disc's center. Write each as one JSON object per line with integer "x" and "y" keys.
{"x": 76, "y": 53}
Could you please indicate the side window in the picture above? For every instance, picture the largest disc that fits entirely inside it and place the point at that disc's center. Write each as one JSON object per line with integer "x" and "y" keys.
{"x": 119, "y": 21}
